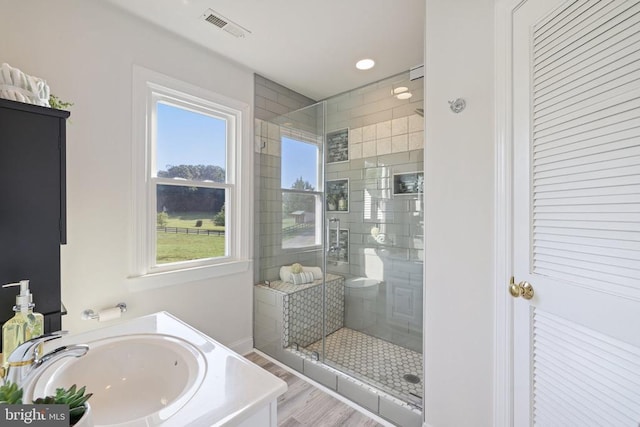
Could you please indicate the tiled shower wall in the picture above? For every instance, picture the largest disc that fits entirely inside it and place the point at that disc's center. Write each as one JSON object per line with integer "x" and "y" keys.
{"x": 269, "y": 202}
{"x": 271, "y": 100}
{"x": 372, "y": 204}
{"x": 385, "y": 138}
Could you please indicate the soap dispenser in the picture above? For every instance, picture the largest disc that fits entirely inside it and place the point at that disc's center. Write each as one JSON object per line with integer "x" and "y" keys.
{"x": 25, "y": 325}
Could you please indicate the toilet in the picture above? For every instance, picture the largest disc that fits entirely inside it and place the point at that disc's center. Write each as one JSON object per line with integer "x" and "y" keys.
{"x": 361, "y": 282}
{"x": 361, "y": 294}
{"x": 361, "y": 298}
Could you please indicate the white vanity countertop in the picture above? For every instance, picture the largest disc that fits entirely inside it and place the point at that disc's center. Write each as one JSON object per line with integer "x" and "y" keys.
{"x": 233, "y": 388}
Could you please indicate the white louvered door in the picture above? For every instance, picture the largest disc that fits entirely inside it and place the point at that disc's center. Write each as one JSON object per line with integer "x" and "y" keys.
{"x": 576, "y": 112}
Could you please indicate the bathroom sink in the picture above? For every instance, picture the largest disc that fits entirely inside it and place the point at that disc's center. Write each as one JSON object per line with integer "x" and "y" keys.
{"x": 158, "y": 371}
{"x": 140, "y": 379}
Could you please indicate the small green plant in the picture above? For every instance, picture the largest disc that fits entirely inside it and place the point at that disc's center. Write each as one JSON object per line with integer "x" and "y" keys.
{"x": 73, "y": 397}
{"x": 57, "y": 103}
{"x": 163, "y": 219}
{"x": 10, "y": 394}
{"x": 219, "y": 218}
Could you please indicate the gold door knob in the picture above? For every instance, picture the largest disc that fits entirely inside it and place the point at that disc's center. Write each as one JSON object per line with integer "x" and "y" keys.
{"x": 522, "y": 289}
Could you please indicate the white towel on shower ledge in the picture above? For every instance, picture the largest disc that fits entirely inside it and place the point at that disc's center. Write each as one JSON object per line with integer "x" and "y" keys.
{"x": 302, "y": 278}
{"x": 285, "y": 273}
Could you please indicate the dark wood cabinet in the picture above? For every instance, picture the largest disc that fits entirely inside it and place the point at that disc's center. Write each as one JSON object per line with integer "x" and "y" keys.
{"x": 32, "y": 205}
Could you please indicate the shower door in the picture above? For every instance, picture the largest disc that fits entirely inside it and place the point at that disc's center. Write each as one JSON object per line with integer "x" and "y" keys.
{"x": 289, "y": 306}
{"x": 339, "y": 191}
{"x": 374, "y": 236}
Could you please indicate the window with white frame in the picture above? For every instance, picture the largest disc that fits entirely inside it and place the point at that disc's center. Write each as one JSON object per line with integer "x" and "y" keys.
{"x": 188, "y": 180}
{"x": 188, "y": 202}
{"x": 301, "y": 198}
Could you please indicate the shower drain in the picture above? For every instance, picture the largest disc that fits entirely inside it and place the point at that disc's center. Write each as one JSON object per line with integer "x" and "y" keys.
{"x": 410, "y": 378}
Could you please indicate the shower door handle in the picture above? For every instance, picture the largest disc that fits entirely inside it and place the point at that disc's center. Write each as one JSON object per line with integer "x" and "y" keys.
{"x": 328, "y": 239}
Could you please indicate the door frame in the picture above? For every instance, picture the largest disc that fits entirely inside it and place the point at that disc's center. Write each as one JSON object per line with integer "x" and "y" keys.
{"x": 503, "y": 407}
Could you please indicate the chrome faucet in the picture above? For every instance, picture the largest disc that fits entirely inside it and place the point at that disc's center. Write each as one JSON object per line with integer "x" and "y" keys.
{"x": 25, "y": 364}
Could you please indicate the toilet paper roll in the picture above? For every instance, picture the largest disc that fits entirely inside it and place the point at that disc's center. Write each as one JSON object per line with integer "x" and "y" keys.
{"x": 109, "y": 314}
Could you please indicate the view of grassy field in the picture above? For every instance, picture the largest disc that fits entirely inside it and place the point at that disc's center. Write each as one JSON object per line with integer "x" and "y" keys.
{"x": 288, "y": 222}
{"x": 179, "y": 246}
{"x": 184, "y": 247}
{"x": 188, "y": 220}
{"x": 176, "y": 247}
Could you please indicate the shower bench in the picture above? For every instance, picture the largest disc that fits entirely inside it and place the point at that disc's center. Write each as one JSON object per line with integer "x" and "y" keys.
{"x": 291, "y": 315}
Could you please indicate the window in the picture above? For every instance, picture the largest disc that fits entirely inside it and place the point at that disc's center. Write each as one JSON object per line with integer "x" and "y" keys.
{"x": 301, "y": 200}
{"x": 190, "y": 182}
{"x": 187, "y": 154}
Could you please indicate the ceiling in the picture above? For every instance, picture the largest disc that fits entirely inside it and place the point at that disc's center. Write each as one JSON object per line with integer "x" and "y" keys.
{"x": 310, "y": 46}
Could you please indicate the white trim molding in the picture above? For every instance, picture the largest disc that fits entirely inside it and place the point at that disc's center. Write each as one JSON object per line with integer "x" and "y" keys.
{"x": 503, "y": 320}
{"x": 150, "y": 87}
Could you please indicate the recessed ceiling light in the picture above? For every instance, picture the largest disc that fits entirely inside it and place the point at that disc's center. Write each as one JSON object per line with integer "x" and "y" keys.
{"x": 400, "y": 89}
{"x": 404, "y": 95}
{"x": 365, "y": 64}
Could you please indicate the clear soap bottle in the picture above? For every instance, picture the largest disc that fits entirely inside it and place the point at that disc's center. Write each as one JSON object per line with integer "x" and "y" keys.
{"x": 25, "y": 325}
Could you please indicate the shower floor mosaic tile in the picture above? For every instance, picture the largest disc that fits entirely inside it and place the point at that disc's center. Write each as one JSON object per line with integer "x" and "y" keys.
{"x": 392, "y": 368}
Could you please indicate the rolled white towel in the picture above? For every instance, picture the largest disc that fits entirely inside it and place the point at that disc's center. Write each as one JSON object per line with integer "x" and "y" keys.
{"x": 317, "y": 272}
{"x": 285, "y": 273}
{"x": 301, "y": 278}
{"x": 5, "y": 74}
{"x": 32, "y": 90}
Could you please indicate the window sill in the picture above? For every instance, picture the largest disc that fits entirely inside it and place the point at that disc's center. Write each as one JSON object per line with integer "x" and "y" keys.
{"x": 301, "y": 250}
{"x": 178, "y": 277}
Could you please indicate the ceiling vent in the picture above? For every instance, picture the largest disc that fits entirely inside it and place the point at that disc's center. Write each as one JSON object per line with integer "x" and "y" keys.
{"x": 214, "y": 18}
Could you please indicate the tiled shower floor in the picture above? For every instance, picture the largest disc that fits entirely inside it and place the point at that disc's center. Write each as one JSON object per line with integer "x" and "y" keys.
{"x": 381, "y": 363}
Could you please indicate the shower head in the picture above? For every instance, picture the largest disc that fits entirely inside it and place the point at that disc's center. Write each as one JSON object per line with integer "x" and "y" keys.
{"x": 420, "y": 111}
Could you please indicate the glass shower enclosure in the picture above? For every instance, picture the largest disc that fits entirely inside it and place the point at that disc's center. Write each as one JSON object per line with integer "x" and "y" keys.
{"x": 339, "y": 237}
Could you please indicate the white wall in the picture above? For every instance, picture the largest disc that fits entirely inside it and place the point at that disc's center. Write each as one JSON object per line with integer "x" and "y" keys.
{"x": 86, "y": 52}
{"x": 459, "y": 168}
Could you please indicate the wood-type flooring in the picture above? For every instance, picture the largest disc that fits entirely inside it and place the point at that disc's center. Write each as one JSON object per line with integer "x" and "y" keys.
{"x": 306, "y": 405}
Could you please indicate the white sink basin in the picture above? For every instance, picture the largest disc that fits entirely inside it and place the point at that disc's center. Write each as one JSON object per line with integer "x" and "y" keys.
{"x": 156, "y": 370}
{"x": 140, "y": 379}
